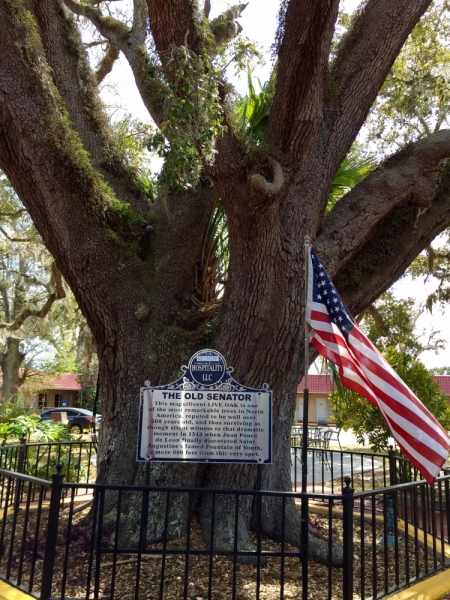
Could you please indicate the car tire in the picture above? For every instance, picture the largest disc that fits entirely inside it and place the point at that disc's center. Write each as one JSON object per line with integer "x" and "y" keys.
{"x": 76, "y": 429}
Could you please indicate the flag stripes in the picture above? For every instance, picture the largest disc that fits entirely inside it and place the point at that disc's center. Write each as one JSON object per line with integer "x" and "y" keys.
{"x": 363, "y": 369}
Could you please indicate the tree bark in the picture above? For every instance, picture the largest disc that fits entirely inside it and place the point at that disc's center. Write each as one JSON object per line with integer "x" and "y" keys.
{"x": 10, "y": 363}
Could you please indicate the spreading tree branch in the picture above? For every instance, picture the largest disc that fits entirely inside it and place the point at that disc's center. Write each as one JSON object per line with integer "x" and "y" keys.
{"x": 297, "y": 114}
{"x": 27, "y": 313}
{"x": 78, "y": 88}
{"x": 95, "y": 43}
{"x": 362, "y": 63}
{"x": 44, "y": 139}
{"x": 112, "y": 29}
{"x": 107, "y": 62}
{"x": 29, "y": 279}
{"x": 392, "y": 246}
{"x": 12, "y": 215}
{"x": 13, "y": 239}
{"x": 407, "y": 179}
{"x": 56, "y": 292}
{"x": 80, "y": 219}
{"x": 131, "y": 43}
{"x": 376, "y": 316}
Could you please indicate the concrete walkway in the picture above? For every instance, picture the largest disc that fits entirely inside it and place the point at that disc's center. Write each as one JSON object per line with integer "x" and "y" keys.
{"x": 326, "y": 466}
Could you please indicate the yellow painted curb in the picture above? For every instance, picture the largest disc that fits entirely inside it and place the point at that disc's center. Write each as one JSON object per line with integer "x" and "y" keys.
{"x": 421, "y": 538}
{"x": 338, "y": 513}
{"x": 7, "y": 592}
{"x": 432, "y": 588}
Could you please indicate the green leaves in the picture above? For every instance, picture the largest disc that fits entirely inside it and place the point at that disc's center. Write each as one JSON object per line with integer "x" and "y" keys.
{"x": 415, "y": 98}
{"x": 391, "y": 324}
{"x": 193, "y": 118}
{"x": 33, "y": 425}
{"x": 352, "y": 170}
{"x": 434, "y": 261}
{"x": 354, "y": 411}
{"x": 212, "y": 267}
{"x": 253, "y": 111}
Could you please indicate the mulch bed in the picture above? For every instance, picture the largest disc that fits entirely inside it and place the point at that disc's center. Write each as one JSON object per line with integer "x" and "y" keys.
{"x": 275, "y": 573}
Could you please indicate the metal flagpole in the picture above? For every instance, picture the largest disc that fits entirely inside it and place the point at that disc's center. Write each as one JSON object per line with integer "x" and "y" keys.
{"x": 304, "y": 508}
{"x": 305, "y": 390}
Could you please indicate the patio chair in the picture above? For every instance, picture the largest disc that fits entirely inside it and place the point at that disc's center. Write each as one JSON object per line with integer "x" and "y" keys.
{"x": 326, "y": 436}
{"x": 315, "y": 438}
{"x": 334, "y": 435}
{"x": 296, "y": 435}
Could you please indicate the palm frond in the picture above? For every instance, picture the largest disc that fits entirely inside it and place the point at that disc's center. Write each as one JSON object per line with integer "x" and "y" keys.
{"x": 253, "y": 110}
{"x": 212, "y": 266}
{"x": 350, "y": 173}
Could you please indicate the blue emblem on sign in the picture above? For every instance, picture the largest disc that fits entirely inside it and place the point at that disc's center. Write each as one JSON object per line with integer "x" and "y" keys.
{"x": 207, "y": 367}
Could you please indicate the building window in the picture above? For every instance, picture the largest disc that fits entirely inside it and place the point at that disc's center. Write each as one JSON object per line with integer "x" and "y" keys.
{"x": 57, "y": 400}
{"x": 42, "y": 402}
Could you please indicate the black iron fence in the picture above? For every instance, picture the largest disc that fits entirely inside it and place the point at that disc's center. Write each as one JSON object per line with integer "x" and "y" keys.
{"x": 39, "y": 460}
{"x": 328, "y": 468}
{"x": 380, "y": 539}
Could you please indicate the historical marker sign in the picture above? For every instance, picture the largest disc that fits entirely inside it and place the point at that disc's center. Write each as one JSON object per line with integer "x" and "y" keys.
{"x": 205, "y": 416}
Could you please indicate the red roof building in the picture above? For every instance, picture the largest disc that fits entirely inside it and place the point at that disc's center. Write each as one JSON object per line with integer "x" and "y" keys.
{"x": 320, "y": 386}
{"x": 42, "y": 391}
{"x": 57, "y": 392}
{"x": 66, "y": 381}
{"x": 444, "y": 382}
{"x": 316, "y": 383}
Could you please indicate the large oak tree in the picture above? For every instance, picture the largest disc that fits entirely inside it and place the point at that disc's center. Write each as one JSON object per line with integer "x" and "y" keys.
{"x": 135, "y": 288}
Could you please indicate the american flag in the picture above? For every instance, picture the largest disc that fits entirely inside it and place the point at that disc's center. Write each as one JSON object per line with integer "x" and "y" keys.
{"x": 362, "y": 369}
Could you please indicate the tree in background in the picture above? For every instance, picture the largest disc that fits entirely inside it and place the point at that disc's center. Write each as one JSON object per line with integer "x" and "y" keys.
{"x": 30, "y": 284}
{"x": 131, "y": 263}
{"x": 435, "y": 262}
{"x": 43, "y": 332}
{"x": 413, "y": 104}
{"x": 414, "y": 101}
{"x": 441, "y": 370}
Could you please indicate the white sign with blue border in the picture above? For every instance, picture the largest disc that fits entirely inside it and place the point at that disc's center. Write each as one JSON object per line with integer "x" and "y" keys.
{"x": 205, "y": 416}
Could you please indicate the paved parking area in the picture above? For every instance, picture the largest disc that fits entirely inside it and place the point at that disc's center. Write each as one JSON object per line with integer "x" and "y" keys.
{"x": 325, "y": 466}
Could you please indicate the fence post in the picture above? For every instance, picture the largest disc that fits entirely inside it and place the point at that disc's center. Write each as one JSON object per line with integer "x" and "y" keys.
{"x": 52, "y": 533}
{"x": 347, "y": 504}
{"x": 20, "y": 468}
{"x": 22, "y": 454}
{"x": 393, "y": 480}
{"x": 392, "y": 466}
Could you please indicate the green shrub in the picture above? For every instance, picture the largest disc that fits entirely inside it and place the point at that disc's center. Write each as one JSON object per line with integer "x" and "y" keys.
{"x": 10, "y": 410}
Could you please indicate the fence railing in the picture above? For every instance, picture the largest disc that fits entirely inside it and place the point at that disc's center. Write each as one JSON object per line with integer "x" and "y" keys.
{"x": 381, "y": 539}
{"x": 327, "y": 469}
{"x": 39, "y": 460}
{"x": 78, "y": 460}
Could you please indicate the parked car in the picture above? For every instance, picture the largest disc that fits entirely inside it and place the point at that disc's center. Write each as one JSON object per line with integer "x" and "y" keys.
{"x": 79, "y": 419}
